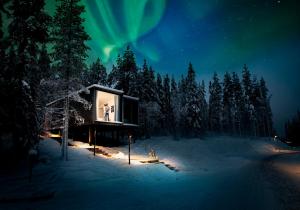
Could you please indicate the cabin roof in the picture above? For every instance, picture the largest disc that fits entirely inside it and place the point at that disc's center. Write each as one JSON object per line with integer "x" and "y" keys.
{"x": 108, "y": 89}
{"x": 98, "y": 87}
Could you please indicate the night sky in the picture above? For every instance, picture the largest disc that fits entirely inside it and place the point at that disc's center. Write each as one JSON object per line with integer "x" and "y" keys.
{"x": 215, "y": 35}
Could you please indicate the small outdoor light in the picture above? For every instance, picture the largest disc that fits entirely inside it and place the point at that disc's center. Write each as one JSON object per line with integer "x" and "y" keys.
{"x": 129, "y": 144}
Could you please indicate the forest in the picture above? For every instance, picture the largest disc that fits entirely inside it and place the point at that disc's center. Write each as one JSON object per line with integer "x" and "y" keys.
{"x": 44, "y": 57}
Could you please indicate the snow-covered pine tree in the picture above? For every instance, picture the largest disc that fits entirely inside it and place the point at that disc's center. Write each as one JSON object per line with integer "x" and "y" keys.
{"x": 144, "y": 95}
{"x": 96, "y": 74}
{"x": 192, "y": 109}
{"x": 160, "y": 101}
{"x": 215, "y": 104}
{"x": 112, "y": 79}
{"x": 238, "y": 104}
{"x": 203, "y": 107}
{"x": 265, "y": 122}
{"x": 45, "y": 72}
{"x": 148, "y": 83}
{"x": 151, "y": 84}
{"x": 69, "y": 39}
{"x": 247, "y": 92}
{"x": 175, "y": 108}
{"x": 227, "y": 102}
{"x": 255, "y": 106}
{"x": 167, "y": 109}
{"x": 127, "y": 73}
{"x": 118, "y": 74}
{"x": 135, "y": 83}
{"x": 182, "y": 101}
{"x": 27, "y": 31}
{"x": 69, "y": 49}
{"x": 149, "y": 109}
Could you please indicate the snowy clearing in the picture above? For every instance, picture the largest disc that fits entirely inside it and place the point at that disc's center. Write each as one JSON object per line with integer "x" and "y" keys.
{"x": 213, "y": 173}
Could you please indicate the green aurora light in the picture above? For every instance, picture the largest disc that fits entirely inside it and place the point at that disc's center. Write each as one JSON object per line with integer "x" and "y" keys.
{"x": 114, "y": 24}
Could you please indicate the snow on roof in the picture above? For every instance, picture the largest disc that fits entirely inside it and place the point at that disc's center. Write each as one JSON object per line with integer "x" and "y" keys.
{"x": 105, "y": 88}
{"x": 131, "y": 97}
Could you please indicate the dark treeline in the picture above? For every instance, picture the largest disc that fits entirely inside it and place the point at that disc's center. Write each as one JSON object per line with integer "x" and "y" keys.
{"x": 292, "y": 130}
{"x": 42, "y": 59}
{"x": 23, "y": 64}
{"x": 43, "y": 56}
{"x": 180, "y": 107}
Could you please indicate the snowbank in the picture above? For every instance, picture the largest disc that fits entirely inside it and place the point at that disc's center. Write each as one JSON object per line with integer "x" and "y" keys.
{"x": 214, "y": 173}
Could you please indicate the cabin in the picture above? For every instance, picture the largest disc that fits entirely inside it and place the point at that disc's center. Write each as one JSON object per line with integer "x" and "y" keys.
{"x": 96, "y": 112}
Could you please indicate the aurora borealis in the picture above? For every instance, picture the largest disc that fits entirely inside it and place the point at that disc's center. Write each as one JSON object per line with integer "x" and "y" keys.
{"x": 113, "y": 24}
{"x": 216, "y": 36}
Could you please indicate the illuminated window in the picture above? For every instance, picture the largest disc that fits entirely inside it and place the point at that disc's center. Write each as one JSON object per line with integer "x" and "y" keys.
{"x": 107, "y": 107}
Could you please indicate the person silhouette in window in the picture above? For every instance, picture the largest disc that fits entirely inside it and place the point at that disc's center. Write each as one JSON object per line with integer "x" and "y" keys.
{"x": 106, "y": 112}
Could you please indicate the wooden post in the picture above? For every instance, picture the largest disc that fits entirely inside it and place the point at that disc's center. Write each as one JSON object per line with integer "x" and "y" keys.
{"x": 90, "y": 135}
{"x": 129, "y": 144}
{"x": 95, "y": 141}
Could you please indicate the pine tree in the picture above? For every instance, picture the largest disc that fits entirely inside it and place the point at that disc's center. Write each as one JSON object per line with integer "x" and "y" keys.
{"x": 144, "y": 100}
{"x": 148, "y": 107}
{"x": 181, "y": 107}
{"x": 247, "y": 92}
{"x": 265, "y": 123}
{"x": 175, "y": 108}
{"x": 112, "y": 79}
{"x": 160, "y": 101}
{"x": 146, "y": 88}
{"x": 127, "y": 74}
{"x": 96, "y": 74}
{"x": 215, "y": 104}
{"x": 69, "y": 50}
{"x": 227, "y": 101}
{"x": 191, "y": 116}
{"x": 27, "y": 30}
{"x": 43, "y": 74}
{"x": 69, "y": 39}
{"x": 238, "y": 104}
{"x": 254, "y": 107}
{"x": 167, "y": 108}
{"x": 203, "y": 107}
{"x": 151, "y": 91}
{"x": 44, "y": 63}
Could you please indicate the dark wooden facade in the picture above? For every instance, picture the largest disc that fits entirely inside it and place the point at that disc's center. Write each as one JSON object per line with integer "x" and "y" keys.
{"x": 123, "y": 112}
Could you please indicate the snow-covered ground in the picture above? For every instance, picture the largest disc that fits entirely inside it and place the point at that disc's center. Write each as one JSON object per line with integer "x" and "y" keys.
{"x": 211, "y": 173}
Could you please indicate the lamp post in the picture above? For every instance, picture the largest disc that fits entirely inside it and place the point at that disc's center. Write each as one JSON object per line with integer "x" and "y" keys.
{"x": 95, "y": 141}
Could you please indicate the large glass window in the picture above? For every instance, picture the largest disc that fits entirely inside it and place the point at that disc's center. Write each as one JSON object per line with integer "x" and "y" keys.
{"x": 130, "y": 111}
{"x": 107, "y": 107}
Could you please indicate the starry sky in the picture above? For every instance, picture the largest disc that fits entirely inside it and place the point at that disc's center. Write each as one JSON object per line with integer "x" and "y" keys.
{"x": 215, "y": 35}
